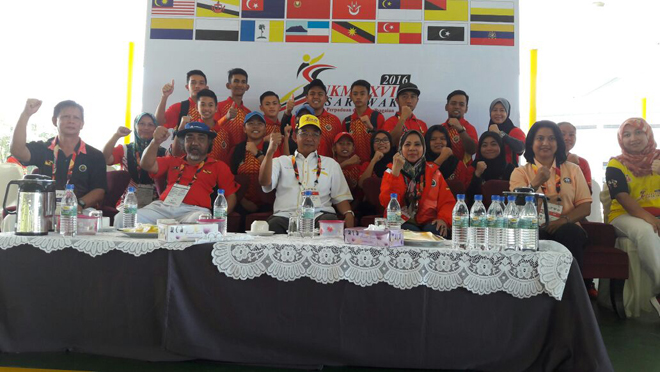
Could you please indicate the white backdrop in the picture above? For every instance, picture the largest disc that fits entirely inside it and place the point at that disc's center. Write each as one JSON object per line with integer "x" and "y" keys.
{"x": 484, "y": 72}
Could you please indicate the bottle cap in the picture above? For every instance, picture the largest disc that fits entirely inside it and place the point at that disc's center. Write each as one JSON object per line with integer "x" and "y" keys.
{"x": 460, "y": 197}
{"x": 529, "y": 199}
{"x": 393, "y": 196}
{"x": 69, "y": 186}
{"x": 478, "y": 197}
{"x": 308, "y": 193}
{"x": 131, "y": 189}
{"x": 511, "y": 198}
{"x": 494, "y": 198}
{"x": 221, "y": 191}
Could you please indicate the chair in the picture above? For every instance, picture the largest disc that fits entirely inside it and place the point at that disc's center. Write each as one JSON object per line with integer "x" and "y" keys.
{"x": 117, "y": 183}
{"x": 456, "y": 187}
{"x": 371, "y": 187}
{"x": 234, "y": 219}
{"x": 493, "y": 187}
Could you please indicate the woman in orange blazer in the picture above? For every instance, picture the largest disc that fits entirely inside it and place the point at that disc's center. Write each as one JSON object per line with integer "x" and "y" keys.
{"x": 425, "y": 199}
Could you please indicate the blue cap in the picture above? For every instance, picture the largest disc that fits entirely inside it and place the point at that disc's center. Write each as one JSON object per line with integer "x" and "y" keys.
{"x": 131, "y": 189}
{"x": 221, "y": 191}
{"x": 69, "y": 186}
{"x": 478, "y": 197}
{"x": 529, "y": 199}
{"x": 393, "y": 195}
{"x": 196, "y": 127}
{"x": 460, "y": 197}
{"x": 252, "y": 114}
{"x": 308, "y": 193}
{"x": 307, "y": 107}
{"x": 511, "y": 198}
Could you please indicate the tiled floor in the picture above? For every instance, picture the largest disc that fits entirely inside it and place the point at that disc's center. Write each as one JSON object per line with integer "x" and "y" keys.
{"x": 633, "y": 345}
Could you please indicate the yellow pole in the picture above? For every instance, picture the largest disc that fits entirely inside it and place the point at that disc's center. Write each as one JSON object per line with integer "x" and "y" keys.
{"x": 129, "y": 90}
{"x": 532, "y": 87}
{"x": 644, "y": 108}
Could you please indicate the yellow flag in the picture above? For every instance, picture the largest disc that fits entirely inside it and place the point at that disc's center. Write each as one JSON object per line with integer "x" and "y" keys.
{"x": 457, "y": 10}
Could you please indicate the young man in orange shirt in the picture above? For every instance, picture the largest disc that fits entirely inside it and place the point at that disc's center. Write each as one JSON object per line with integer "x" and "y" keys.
{"x": 363, "y": 121}
{"x": 270, "y": 105}
{"x": 195, "y": 82}
{"x": 404, "y": 120}
{"x": 231, "y": 112}
{"x": 462, "y": 134}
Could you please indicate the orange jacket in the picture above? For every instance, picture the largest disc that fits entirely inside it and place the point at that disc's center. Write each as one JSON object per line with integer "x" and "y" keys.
{"x": 437, "y": 201}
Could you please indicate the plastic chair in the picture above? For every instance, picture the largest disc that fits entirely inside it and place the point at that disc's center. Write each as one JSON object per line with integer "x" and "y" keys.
{"x": 493, "y": 187}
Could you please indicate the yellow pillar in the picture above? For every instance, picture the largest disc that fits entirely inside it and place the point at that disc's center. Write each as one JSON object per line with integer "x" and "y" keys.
{"x": 644, "y": 108}
{"x": 532, "y": 87}
{"x": 129, "y": 89}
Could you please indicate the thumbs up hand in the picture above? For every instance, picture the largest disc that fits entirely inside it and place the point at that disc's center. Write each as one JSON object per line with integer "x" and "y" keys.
{"x": 233, "y": 111}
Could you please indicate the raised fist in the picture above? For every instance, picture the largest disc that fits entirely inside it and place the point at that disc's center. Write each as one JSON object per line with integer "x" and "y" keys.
{"x": 274, "y": 143}
{"x": 31, "y": 106}
{"x": 542, "y": 176}
{"x": 377, "y": 156}
{"x": 290, "y": 104}
{"x": 481, "y": 167}
{"x": 446, "y": 151}
{"x": 398, "y": 162}
{"x": 161, "y": 134}
{"x": 353, "y": 160}
{"x": 494, "y": 128}
{"x": 455, "y": 123}
{"x": 123, "y": 131}
{"x": 366, "y": 121}
{"x": 406, "y": 113}
{"x": 168, "y": 89}
{"x": 184, "y": 120}
{"x": 233, "y": 111}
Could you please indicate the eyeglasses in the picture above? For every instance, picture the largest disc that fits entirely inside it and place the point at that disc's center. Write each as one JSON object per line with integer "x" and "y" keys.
{"x": 314, "y": 135}
{"x": 382, "y": 140}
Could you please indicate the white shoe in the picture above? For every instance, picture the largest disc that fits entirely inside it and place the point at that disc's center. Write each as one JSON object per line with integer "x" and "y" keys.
{"x": 656, "y": 304}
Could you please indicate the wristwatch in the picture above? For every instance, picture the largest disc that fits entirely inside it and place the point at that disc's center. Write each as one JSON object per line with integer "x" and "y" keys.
{"x": 461, "y": 131}
{"x": 502, "y": 133}
{"x": 82, "y": 203}
{"x": 259, "y": 153}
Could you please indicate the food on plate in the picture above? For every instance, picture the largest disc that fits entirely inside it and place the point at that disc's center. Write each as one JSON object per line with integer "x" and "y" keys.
{"x": 143, "y": 228}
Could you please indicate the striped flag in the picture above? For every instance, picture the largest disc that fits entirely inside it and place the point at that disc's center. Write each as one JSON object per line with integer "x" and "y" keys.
{"x": 409, "y": 10}
{"x": 218, "y": 8}
{"x": 446, "y": 33}
{"x": 399, "y": 33}
{"x": 354, "y": 32}
{"x": 491, "y": 11}
{"x": 173, "y": 7}
{"x": 446, "y": 10}
{"x": 307, "y": 32}
{"x": 171, "y": 28}
{"x": 491, "y": 34}
{"x": 216, "y": 29}
{"x": 264, "y": 31}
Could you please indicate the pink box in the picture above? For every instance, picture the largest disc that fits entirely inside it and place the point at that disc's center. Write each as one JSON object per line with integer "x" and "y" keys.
{"x": 385, "y": 238}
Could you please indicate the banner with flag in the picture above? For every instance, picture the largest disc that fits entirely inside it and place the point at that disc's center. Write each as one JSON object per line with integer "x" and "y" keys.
{"x": 491, "y": 11}
{"x": 446, "y": 10}
{"x": 218, "y": 8}
{"x": 263, "y": 31}
{"x": 399, "y": 33}
{"x": 262, "y": 9}
{"x": 173, "y": 7}
{"x": 171, "y": 28}
{"x": 409, "y": 10}
{"x": 445, "y": 33}
{"x": 354, "y": 9}
{"x": 307, "y": 32}
{"x": 354, "y": 32}
{"x": 308, "y": 9}
{"x": 492, "y": 34}
{"x": 216, "y": 29}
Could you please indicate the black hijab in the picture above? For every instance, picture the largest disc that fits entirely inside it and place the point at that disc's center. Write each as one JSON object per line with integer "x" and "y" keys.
{"x": 381, "y": 166}
{"x": 497, "y": 168}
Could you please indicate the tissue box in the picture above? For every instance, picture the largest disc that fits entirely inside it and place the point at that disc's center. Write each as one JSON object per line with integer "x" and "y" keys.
{"x": 186, "y": 232}
{"x": 385, "y": 238}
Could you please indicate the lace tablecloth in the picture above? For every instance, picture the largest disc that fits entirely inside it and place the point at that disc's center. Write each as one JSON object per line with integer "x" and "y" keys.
{"x": 521, "y": 274}
{"x": 96, "y": 245}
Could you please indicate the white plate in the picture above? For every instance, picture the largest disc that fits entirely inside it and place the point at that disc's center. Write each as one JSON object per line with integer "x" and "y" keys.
{"x": 260, "y": 233}
{"x": 418, "y": 243}
{"x": 140, "y": 235}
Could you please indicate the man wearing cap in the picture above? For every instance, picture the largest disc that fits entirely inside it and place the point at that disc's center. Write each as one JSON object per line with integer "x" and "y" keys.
{"x": 317, "y": 96}
{"x": 306, "y": 170}
{"x": 407, "y": 98}
{"x": 247, "y": 157}
{"x": 462, "y": 134}
{"x": 191, "y": 179}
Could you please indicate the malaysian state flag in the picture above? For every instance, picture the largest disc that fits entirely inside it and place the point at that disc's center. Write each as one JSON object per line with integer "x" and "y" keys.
{"x": 173, "y": 8}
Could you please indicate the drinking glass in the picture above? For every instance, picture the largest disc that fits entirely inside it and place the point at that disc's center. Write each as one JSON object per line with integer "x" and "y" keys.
{"x": 293, "y": 226}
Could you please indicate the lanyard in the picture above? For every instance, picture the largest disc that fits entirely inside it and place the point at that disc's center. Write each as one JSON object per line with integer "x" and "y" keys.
{"x": 72, "y": 161}
{"x": 295, "y": 170}
{"x": 557, "y": 179}
{"x": 199, "y": 169}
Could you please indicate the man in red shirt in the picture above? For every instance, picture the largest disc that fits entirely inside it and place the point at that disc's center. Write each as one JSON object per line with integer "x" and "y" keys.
{"x": 317, "y": 96}
{"x": 407, "y": 97}
{"x": 270, "y": 105}
{"x": 462, "y": 134}
{"x": 196, "y": 81}
{"x": 231, "y": 112}
{"x": 363, "y": 121}
{"x": 191, "y": 179}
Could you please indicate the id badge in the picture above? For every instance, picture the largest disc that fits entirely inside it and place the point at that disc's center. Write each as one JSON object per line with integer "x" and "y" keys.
{"x": 176, "y": 195}
{"x": 316, "y": 198}
{"x": 145, "y": 195}
{"x": 554, "y": 211}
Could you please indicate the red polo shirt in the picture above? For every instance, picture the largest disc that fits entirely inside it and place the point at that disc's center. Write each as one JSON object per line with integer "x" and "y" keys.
{"x": 457, "y": 143}
{"x": 233, "y": 127}
{"x": 360, "y": 134}
{"x": 173, "y": 112}
{"x": 213, "y": 173}
{"x": 411, "y": 124}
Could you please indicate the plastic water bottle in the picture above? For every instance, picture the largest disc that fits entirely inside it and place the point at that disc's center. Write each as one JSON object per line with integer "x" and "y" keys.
{"x": 69, "y": 213}
{"x": 511, "y": 222}
{"x": 460, "y": 218}
{"x": 478, "y": 230}
{"x": 130, "y": 209}
{"x": 528, "y": 226}
{"x": 307, "y": 217}
{"x": 495, "y": 224}
{"x": 220, "y": 211}
{"x": 393, "y": 213}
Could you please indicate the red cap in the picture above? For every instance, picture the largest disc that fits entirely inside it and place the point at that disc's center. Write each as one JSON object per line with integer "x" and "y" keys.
{"x": 343, "y": 134}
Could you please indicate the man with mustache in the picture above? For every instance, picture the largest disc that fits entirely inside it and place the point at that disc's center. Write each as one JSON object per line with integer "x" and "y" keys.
{"x": 306, "y": 170}
{"x": 191, "y": 179}
{"x": 462, "y": 134}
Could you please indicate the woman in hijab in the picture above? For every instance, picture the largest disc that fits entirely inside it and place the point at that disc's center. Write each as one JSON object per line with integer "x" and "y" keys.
{"x": 425, "y": 199}
{"x": 633, "y": 179}
{"x": 440, "y": 153}
{"x": 128, "y": 156}
{"x": 382, "y": 154}
{"x": 512, "y": 136}
{"x": 489, "y": 163}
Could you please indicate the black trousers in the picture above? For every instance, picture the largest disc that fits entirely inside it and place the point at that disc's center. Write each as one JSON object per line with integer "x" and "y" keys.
{"x": 571, "y": 236}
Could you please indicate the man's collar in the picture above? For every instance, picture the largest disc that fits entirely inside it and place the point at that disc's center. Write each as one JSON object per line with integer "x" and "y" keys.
{"x": 303, "y": 156}
{"x": 79, "y": 148}
{"x": 367, "y": 112}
